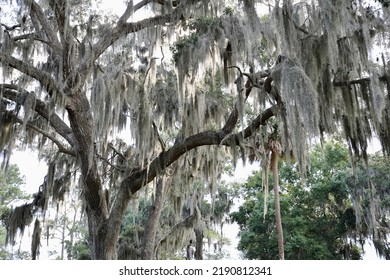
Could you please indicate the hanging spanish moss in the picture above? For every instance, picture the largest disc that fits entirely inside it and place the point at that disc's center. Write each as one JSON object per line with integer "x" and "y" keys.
{"x": 119, "y": 100}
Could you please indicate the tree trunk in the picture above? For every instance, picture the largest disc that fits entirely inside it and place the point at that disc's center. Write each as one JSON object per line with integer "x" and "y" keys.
{"x": 199, "y": 244}
{"x": 151, "y": 227}
{"x": 103, "y": 236}
{"x": 279, "y": 229}
{"x": 63, "y": 236}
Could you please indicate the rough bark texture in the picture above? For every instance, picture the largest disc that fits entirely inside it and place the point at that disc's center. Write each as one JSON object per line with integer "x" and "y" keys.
{"x": 151, "y": 227}
{"x": 198, "y": 244}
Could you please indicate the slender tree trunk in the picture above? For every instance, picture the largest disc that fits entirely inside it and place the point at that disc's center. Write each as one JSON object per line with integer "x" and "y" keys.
{"x": 63, "y": 236}
{"x": 151, "y": 227}
{"x": 279, "y": 229}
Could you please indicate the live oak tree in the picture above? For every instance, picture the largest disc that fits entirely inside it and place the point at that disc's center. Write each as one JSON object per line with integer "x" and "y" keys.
{"x": 73, "y": 79}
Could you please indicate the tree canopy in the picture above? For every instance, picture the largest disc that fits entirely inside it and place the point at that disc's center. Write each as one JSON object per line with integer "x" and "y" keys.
{"x": 74, "y": 79}
{"x": 320, "y": 219}
{"x": 10, "y": 195}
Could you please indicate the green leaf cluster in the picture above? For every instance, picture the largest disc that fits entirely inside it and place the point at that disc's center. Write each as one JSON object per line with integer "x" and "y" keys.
{"x": 318, "y": 214}
{"x": 10, "y": 182}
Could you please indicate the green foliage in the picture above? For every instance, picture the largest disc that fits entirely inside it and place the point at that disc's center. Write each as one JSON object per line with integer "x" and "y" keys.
{"x": 197, "y": 27}
{"x": 10, "y": 192}
{"x": 229, "y": 11}
{"x": 81, "y": 251}
{"x": 319, "y": 218}
{"x": 203, "y": 23}
{"x": 10, "y": 182}
{"x": 182, "y": 44}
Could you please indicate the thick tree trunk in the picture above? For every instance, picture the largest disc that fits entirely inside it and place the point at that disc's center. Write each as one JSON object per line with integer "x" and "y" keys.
{"x": 103, "y": 236}
{"x": 199, "y": 244}
{"x": 279, "y": 228}
{"x": 151, "y": 227}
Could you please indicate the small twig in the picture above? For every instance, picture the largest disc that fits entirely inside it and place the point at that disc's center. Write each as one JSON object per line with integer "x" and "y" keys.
{"x": 162, "y": 143}
{"x": 249, "y": 76}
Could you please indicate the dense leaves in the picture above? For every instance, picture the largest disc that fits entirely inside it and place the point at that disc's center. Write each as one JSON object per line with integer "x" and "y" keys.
{"x": 11, "y": 194}
{"x": 319, "y": 214}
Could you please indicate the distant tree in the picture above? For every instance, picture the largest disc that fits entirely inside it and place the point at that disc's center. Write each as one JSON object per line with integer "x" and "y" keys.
{"x": 321, "y": 214}
{"x": 10, "y": 195}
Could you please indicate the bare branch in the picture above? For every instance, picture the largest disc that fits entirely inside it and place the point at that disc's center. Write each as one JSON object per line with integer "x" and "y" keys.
{"x": 133, "y": 8}
{"x": 353, "y": 82}
{"x": 10, "y": 28}
{"x": 29, "y": 36}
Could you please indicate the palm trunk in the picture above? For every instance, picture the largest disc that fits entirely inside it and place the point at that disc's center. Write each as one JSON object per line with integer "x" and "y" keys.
{"x": 279, "y": 229}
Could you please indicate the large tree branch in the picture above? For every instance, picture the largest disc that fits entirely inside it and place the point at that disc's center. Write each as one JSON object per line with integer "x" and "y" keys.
{"x": 133, "y": 8}
{"x": 19, "y": 95}
{"x": 41, "y": 76}
{"x": 46, "y": 26}
{"x": 140, "y": 177}
{"x": 29, "y": 36}
{"x": 137, "y": 180}
{"x": 123, "y": 28}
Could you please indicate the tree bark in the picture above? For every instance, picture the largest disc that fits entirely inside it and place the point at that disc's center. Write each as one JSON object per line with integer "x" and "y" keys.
{"x": 278, "y": 216}
{"x": 199, "y": 244}
{"x": 102, "y": 235}
{"x": 151, "y": 227}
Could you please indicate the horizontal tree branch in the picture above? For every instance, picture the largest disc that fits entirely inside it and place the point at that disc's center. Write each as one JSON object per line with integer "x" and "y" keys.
{"x": 123, "y": 28}
{"x": 29, "y": 36}
{"x": 140, "y": 178}
{"x": 352, "y": 82}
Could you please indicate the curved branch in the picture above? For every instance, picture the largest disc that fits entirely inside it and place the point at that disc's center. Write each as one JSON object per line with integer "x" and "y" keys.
{"x": 18, "y": 95}
{"x": 41, "y": 76}
{"x": 136, "y": 180}
{"x": 186, "y": 223}
{"x": 61, "y": 147}
{"x": 123, "y": 28}
{"x": 140, "y": 178}
{"x": 50, "y": 33}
